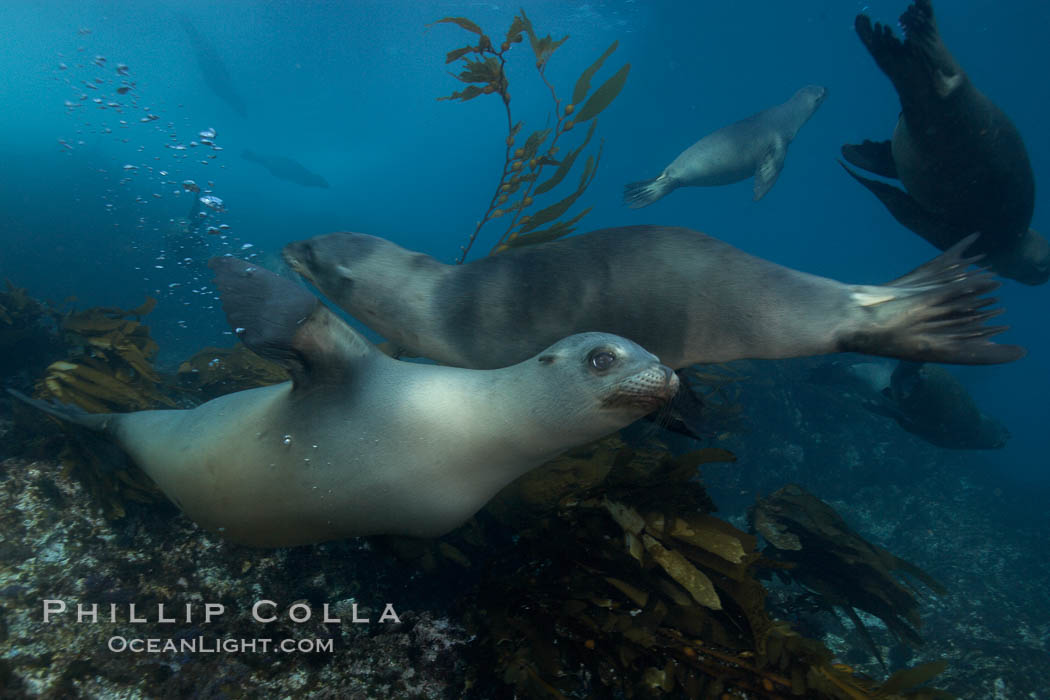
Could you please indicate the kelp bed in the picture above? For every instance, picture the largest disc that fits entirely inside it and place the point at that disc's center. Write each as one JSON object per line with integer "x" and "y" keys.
{"x": 601, "y": 574}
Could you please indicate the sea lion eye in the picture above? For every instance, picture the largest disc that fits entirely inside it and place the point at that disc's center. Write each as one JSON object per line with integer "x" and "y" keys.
{"x": 602, "y": 360}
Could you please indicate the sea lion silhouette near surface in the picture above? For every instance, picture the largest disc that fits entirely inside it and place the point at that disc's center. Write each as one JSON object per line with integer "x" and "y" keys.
{"x": 962, "y": 162}
{"x": 753, "y": 146}
{"x": 359, "y": 443}
{"x": 684, "y": 296}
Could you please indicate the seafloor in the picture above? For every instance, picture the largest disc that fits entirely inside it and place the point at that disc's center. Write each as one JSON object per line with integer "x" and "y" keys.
{"x": 940, "y": 509}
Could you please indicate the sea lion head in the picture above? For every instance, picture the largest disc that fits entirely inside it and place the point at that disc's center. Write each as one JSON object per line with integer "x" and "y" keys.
{"x": 812, "y": 95}
{"x": 619, "y": 380}
{"x": 358, "y": 272}
{"x": 1028, "y": 261}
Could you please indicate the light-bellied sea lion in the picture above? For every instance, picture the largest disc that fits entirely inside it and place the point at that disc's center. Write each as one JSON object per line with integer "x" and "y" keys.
{"x": 682, "y": 295}
{"x": 753, "y": 146}
{"x": 358, "y": 443}
{"x": 960, "y": 158}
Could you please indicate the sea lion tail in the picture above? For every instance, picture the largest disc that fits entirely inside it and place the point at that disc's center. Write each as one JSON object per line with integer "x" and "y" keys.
{"x": 935, "y": 313}
{"x": 641, "y": 194}
{"x": 66, "y": 412}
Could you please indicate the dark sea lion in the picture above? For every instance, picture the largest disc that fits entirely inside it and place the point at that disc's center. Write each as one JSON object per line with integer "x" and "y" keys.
{"x": 284, "y": 168}
{"x": 962, "y": 162}
{"x": 753, "y": 146}
{"x": 682, "y": 295}
{"x": 927, "y": 401}
{"x": 358, "y": 443}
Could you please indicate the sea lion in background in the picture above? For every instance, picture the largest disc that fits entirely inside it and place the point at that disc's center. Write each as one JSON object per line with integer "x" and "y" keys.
{"x": 213, "y": 69}
{"x": 753, "y": 146}
{"x": 682, "y": 295}
{"x": 962, "y": 162}
{"x": 927, "y": 401}
{"x": 358, "y": 443}
{"x": 284, "y": 168}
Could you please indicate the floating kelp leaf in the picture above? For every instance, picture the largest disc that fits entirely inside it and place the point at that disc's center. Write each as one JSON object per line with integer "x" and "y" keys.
{"x": 142, "y": 310}
{"x": 706, "y": 532}
{"x": 625, "y": 516}
{"x": 462, "y": 22}
{"x": 458, "y": 53}
{"x": 487, "y": 71}
{"x": 469, "y": 93}
{"x": 909, "y": 568}
{"x": 604, "y": 95}
{"x": 911, "y": 677}
{"x": 543, "y": 48}
{"x": 517, "y": 26}
{"x": 533, "y": 143}
{"x": 679, "y": 568}
{"x": 583, "y": 84}
{"x": 514, "y": 133}
{"x": 565, "y": 165}
{"x": 562, "y": 228}
{"x": 554, "y": 211}
{"x": 637, "y": 596}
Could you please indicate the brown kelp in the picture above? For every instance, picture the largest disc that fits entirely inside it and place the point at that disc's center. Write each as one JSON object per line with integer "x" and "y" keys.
{"x": 27, "y": 331}
{"x": 108, "y": 367}
{"x": 848, "y": 572}
{"x": 618, "y": 580}
{"x": 213, "y": 372}
{"x": 525, "y": 161}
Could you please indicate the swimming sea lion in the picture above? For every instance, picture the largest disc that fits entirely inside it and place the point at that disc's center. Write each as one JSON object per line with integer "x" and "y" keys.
{"x": 962, "y": 162}
{"x": 927, "y": 401}
{"x": 753, "y": 146}
{"x": 682, "y": 295}
{"x": 359, "y": 443}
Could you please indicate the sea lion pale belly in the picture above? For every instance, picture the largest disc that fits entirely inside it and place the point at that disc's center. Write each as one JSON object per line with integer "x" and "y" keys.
{"x": 753, "y": 146}
{"x": 359, "y": 443}
{"x": 962, "y": 162}
{"x": 684, "y": 296}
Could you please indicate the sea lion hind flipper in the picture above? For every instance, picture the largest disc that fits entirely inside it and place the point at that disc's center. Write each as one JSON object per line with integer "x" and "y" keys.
{"x": 281, "y": 321}
{"x": 935, "y": 313}
{"x": 95, "y": 432}
{"x": 908, "y": 212}
{"x": 641, "y": 194}
{"x": 769, "y": 167}
{"x": 67, "y": 413}
{"x": 873, "y": 156}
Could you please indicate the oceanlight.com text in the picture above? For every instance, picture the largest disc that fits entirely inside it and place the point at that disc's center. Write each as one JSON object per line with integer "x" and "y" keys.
{"x": 219, "y": 645}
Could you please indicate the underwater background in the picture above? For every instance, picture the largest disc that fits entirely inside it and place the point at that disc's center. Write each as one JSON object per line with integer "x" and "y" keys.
{"x": 349, "y": 90}
{"x": 92, "y": 203}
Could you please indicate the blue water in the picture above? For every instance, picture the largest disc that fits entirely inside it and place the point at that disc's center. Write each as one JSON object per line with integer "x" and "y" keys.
{"x": 349, "y": 89}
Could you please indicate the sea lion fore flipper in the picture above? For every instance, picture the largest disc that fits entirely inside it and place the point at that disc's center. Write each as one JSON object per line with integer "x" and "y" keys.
{"x": 281, "y": 321}
{"x": 873, "y": 156}
{"x": 909, "y": 213}
{"x": 932, "y": 314}
{"x": 769, "y": 167}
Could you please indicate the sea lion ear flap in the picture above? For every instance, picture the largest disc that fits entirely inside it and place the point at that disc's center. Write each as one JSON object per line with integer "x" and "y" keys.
{"x": 264, "y": 310}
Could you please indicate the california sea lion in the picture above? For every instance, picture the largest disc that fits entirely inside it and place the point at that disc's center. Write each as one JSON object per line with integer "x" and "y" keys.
{"x": 358, "y": 443}
{"x": 931, "y": 403}
{"x": 285, "y": 168}
{"x": 682, "y": 295}
{"x": 926, "y": 400}
{"x": 753, "y": 146}
{"x": 962, "y": 162}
